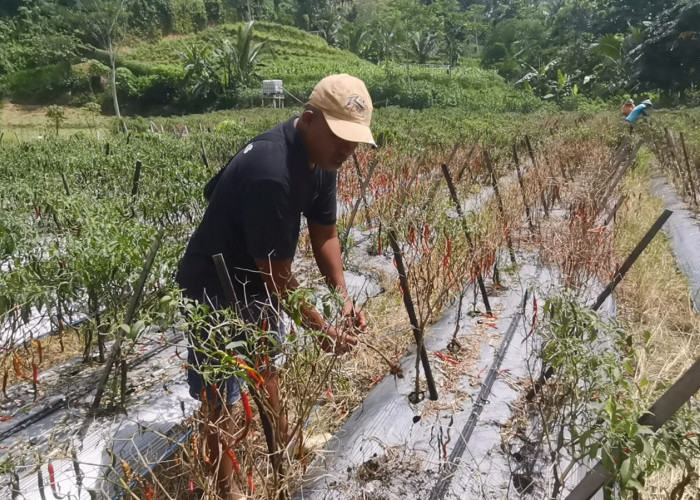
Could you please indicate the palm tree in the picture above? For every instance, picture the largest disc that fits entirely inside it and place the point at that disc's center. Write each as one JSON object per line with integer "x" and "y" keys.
{"x": 355, "y": 40}
{"x": 423, "y": 44}
{"x": 247, "y": 54}
{"x": 382, "y": 44}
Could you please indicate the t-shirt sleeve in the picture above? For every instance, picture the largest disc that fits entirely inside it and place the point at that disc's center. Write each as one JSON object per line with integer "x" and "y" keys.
{"x": 323, "y": 210}
{"x": 268, "y": 222}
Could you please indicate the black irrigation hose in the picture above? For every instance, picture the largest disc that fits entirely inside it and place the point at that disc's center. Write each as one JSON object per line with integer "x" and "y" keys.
{"x": 447, "y": 473}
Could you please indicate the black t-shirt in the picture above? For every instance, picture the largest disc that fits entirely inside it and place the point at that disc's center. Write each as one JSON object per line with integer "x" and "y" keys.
{"x": 255, "y": 213}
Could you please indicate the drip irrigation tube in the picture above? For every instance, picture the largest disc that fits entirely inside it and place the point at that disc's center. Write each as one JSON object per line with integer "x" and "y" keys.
{"x": 447, "y": 473}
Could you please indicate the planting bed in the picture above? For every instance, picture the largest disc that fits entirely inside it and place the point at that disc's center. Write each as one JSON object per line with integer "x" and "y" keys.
{"x": 534, "y": 221}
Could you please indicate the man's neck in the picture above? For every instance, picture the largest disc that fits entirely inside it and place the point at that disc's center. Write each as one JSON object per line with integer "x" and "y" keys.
{"x": 299, "y": 128}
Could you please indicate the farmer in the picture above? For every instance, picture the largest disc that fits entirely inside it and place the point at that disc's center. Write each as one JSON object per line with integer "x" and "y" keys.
{"x": 642, "y": 110}
{"x": 627, "y": 107}
{"x": 253, "y": 219}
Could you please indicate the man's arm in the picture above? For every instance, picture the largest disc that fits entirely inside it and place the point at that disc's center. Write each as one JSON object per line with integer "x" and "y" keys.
{"x": 326, "y": 247}
{"x": 280, "y": 281}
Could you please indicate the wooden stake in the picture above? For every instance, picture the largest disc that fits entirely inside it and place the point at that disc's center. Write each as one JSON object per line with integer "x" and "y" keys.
{"x": 467, "y": 234}
{"x": 499, "y": 201}
{"x": 417, "y": 330}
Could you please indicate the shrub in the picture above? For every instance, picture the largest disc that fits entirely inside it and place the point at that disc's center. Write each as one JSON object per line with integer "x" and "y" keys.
{"x": 40, "y": 85}
{"x": 161, "y": 87}
{"x": 127, "y": 83}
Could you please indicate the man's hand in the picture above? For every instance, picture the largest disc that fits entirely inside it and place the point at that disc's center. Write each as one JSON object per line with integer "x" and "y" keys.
{"x": 343, "y": 337}
{"x": 353, "y": 318}
{"x": 336, "y": 341}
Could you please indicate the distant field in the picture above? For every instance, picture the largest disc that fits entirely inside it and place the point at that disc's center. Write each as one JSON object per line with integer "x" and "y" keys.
{"x": 28, "y": 121}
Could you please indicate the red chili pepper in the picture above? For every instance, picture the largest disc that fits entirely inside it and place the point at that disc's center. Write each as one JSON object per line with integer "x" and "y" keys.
{"x": 4, "y": 418}
{"x": 252, "y": 373}
{"x": 149, "y": 493}
{"x": 234, "y": 461}
{"x": 446, "y": 358}
{"x": 40, "y": 350}
{"x": 246, "y": 407}
{"x": 426, "y": 238}
{"x": 35, "y": 373}
{"x": 17, "y": 365}
{"x": 191, "y": 484}
{"x": 251, "y": 486}
{"x": 52, "y": 479}
{"x": 534, "y": 318}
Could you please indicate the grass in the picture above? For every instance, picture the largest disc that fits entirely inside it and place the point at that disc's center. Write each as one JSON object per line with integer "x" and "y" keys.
{"x": 655, "y": 302}
{"x": 22, "y": 122}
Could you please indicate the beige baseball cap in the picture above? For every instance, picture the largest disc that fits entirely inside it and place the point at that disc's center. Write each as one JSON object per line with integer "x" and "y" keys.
{"x": 346, "y": 105}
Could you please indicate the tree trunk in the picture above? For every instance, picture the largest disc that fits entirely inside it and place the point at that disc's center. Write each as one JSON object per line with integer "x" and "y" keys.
{"x": 113, "y": 76}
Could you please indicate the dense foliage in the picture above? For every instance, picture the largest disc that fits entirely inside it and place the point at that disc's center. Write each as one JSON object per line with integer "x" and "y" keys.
{"x": 567, "y": 51}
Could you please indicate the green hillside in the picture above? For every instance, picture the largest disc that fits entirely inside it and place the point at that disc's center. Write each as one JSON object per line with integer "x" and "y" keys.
{"x": 301, "y": 59}
{"x": 153, "y": 77}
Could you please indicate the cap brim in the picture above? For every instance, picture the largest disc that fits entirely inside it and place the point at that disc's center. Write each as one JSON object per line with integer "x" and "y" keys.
{"x": 350, "y": 131}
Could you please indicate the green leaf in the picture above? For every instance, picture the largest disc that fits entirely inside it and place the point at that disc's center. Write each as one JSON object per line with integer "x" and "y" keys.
{"x": 609, "y": 46}
{"x": 561, "y": 79}
{"x": 625, "y": 471}
{"x": 233, "y": 346}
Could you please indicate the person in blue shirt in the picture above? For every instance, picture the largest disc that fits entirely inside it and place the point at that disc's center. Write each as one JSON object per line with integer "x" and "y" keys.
{"x": 642, "y": 110}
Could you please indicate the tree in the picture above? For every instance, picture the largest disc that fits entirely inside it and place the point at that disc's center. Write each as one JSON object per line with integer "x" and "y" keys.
{"x": 668, "y": 57}
{"x": 200, "y": 74}
{"x": 356, "y": 39}
{"x": 423, "y": 45}
{"x": 211, "y": 73}
{"x": 617, "y": 66}
{"x": 248, "y": 54}
{"x": 106, "y": 26}
{"x": 56, "y": 115}
{"x": 382, "y": 45}
{"x": 455, "y": 34}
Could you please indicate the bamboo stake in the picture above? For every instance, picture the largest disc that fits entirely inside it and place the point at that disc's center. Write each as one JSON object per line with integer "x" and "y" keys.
{"x": 690, "y": 172}
{"x": 539, "y": 184}
{"x": 467, "y": 235}
{"x": 530, "y": 225}
{"x": 499, "y": 201}
{"x": 137, "y": 178}
{"x": 417, "y": 330}
{"x": 128, "y": 318}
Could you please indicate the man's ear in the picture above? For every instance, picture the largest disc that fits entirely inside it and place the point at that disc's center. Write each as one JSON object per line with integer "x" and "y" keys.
{"x": 307, "y": 116}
